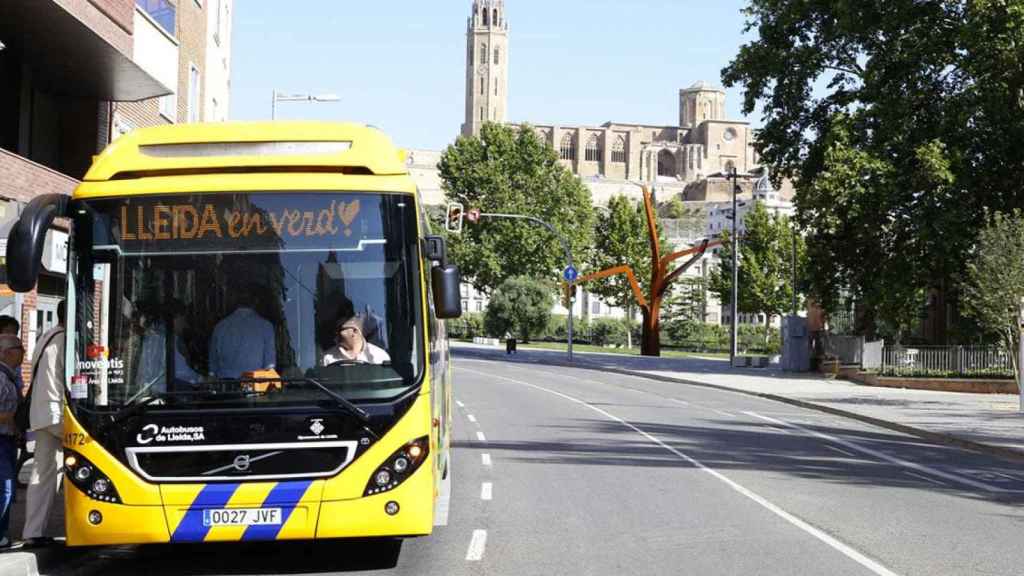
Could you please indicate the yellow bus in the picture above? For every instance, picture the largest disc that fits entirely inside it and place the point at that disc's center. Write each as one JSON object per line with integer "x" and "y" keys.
{"x": 252, "y": 353}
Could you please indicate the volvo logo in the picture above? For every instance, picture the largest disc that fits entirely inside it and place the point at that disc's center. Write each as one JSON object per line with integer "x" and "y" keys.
{"x": 242, "y": 462}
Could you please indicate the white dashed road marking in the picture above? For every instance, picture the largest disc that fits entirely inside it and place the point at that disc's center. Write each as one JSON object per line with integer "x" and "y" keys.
{"x": 461, "y": 405}
{"x": 486, "y": 459}
{"x": 486, "y": 491}
{"x": 480, "y": 436}
{"x": 471, "y": 418}
{"x": 476, "y": 546}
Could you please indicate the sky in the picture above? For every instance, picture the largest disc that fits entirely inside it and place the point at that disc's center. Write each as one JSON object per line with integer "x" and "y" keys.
{"x": 400, "y": 65}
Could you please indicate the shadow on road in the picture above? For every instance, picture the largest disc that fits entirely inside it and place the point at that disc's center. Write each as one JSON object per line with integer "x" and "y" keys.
{"x": 725, "y": 445}
{"x": 266, "y": 558}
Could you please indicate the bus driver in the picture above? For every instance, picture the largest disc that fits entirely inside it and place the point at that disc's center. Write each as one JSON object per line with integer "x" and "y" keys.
{"x": 352, "y": 345}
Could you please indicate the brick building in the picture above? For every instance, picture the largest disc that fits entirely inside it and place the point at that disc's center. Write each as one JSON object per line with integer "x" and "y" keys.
{"x": 75, "y": 75}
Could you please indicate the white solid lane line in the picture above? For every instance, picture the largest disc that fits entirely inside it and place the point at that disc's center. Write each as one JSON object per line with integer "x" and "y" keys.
{"x": 841, "y": 451}
{"x": 471, "y": 418}
{"x": 883, "y": 456}
{"x": 480, "y": 436}
{"x": 486, "y": 459}
{"x": 486, "y": 491}
{"x": 476, "y": 546}
{"x": 925, "y": 478}
{"x": 831, "y": 541}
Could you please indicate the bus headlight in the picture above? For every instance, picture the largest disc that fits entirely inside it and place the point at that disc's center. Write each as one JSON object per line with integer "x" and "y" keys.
{"x": 89, "y": 479}
{"x": 399, "y": 466}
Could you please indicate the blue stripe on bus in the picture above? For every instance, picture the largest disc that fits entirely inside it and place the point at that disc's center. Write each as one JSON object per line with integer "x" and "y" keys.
{"x": 285, "y": 495}
{"x": 191, "y": 528}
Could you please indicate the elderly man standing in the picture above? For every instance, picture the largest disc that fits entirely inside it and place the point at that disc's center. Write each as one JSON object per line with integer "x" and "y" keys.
{"x": 11, "y": 355}
{"x": 46, "y": 417}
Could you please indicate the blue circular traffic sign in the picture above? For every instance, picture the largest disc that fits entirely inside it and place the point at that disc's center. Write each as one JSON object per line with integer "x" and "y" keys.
{"x": 570, "y": 274}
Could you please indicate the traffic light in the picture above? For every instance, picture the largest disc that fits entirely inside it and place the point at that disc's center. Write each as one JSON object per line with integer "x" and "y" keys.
{"x": 568, "y": 295}
{"x": 453, "y": 223}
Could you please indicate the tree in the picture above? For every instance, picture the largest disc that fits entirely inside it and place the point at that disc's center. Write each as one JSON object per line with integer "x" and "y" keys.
{"x": 689, "y": 301}
{"x": 900, "y": 122}
{"x": 660, "y": 278}
{"x": 766, "y": 266}
{"x": 995, "y": 279}
{"x": 508, "y": 169}
{"x": 521, "y": 306}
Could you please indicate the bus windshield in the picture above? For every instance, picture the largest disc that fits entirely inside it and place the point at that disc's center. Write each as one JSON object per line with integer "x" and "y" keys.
{"x": 218, "y": 298}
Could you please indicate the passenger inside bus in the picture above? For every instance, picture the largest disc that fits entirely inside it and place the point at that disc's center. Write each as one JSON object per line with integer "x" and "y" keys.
{"x": 352, "y": 344}
{"x": 244, "y": 341}
{"x": 154, "y": 351}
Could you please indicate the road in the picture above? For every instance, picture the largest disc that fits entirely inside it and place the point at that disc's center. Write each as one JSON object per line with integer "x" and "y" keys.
{"x": 570, "y": 471}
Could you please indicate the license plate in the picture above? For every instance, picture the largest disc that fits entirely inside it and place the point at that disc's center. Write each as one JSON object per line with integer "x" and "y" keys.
{"x": 242, "y": 517}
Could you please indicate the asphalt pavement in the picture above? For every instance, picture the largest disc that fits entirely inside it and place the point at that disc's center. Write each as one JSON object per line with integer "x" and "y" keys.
{"x": 572, "y": 471}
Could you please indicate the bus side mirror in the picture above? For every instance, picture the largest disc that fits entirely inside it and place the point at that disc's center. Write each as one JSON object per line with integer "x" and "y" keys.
{"x": 27, "y": 237}
{"x": 445, "y": 281}
{"x": 444, "y": 278}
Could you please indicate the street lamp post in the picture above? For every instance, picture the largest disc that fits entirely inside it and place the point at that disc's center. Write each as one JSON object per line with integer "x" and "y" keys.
{"x": 735, "y": 269}
{"x": 278, "y": 97}
{"x": 734, "y": 175}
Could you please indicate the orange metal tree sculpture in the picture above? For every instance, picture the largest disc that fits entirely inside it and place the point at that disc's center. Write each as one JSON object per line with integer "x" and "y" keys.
{"x": 661, "y": 279}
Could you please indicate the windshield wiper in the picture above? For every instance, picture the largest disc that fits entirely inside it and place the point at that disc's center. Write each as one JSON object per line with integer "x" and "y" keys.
{"x": 344, "y": 403}
{"x": 341, "y": 400}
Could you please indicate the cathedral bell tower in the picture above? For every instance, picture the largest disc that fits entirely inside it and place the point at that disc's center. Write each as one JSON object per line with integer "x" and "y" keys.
{"x": 486, "y": 65}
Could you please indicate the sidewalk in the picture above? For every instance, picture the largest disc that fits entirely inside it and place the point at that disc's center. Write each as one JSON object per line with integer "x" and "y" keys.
{"x": 984, "y": 422}
{"x": 24, "y": 562}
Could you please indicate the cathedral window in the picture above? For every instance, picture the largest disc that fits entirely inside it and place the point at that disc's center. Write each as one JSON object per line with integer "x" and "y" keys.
{"x": 593, "y": 149}
{"x": 567, "y": 150}
{"x": 487, "y": 17}
{"x": 483, "y": 114}
{"x": 470, "y": 56}
{"x": 497, "y": 56}
{"x": 619, "y": 150}
{"x": 483, "y": 54}
{"x": 495, "y": 19}
{"x": 496, "y": 86}
{"x": 666, "y": 163}
{"x": 483, "y": 85}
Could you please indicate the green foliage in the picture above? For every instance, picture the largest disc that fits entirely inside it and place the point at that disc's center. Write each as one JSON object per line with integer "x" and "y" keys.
{"x": 766, "y": 265}
{"x": 995, "y": 278}
{"x": 688, "y": 301}
{"x": 900, "y": 123}
{"x": 675, "y": 208}
{"x": 702, "y": 337}
{"x": 467, "y": 327}
{"x": 507, "y": 169}
{"x": 520, "y": 306}
{"x": 608, "y": 332}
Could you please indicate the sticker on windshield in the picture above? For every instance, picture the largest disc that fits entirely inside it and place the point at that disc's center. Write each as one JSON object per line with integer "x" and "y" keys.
{"x": 79, "y": 387}
{"x": 98, "y": 372}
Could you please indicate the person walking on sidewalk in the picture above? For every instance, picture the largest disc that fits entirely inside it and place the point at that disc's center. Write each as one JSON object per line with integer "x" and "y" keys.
{"x": 11, "y": 355}
{"x": 46, "y": 415}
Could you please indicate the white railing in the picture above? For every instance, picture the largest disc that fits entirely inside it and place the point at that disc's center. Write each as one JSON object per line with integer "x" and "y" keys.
{"x": 947, "y": 361}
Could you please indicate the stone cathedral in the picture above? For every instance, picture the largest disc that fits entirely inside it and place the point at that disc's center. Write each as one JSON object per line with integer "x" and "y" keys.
{"x": 611, "y": 158}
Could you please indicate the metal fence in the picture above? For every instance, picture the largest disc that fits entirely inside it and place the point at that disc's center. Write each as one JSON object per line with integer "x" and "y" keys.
{"x": 947, "y": 361}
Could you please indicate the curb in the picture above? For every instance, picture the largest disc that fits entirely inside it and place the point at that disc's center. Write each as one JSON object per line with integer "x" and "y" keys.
{"x": 933, "y": 437}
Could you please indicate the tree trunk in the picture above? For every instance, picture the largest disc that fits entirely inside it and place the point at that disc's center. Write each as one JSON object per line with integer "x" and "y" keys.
{"x": 651, "y": 339}
{"x": 629, "y": 325}
{"x": 767, "y": 331}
